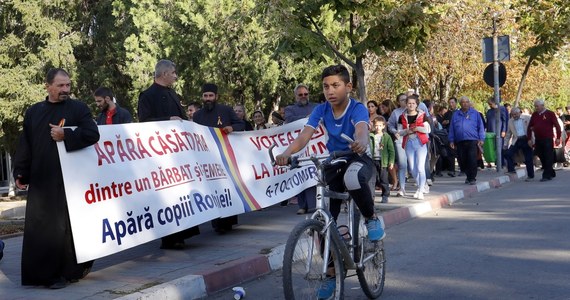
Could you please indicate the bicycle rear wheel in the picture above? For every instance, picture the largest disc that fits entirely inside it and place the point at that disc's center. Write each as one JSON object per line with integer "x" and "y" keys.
{"x": 303, "y": 262}
{"x": 373, "y": 272}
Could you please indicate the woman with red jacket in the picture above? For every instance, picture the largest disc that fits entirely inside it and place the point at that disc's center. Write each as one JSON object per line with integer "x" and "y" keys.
{"x": 414, "y": 128}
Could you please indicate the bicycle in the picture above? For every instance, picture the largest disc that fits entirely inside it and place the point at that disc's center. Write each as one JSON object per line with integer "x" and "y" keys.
{"x": 317, "y": 242}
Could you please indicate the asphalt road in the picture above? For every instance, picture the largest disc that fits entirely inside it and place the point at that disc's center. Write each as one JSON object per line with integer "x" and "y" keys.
{"x": 508, "y": 243}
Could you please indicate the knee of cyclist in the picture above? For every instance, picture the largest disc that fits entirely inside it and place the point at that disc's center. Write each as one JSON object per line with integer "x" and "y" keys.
{"x": 355, "y": 182}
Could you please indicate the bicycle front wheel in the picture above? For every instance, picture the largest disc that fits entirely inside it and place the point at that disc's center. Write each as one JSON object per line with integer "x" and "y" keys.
{"x": 303, "y": 262}
{"x": 373, "y": 272}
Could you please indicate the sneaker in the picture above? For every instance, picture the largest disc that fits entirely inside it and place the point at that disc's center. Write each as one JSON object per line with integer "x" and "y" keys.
{"x": 529, "y": 179}
{"x": 426, "y": 189}
{"x": 301, "y": 211}
{"x": 384, "y": 199}
{"x": 429, "y": 182}
{"x": 420, "y": 196}
{"x": 416, "y": 194}
{"x": 326, "y": 291}
{"x": 451, "y": 174}
{"x": 375, "y": 230}
{"x": 401, "y": 193}
{"x": 461, "y": 174}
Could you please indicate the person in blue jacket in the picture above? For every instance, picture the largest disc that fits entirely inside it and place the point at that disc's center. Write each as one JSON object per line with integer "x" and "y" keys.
{"x": 467, "y": 134}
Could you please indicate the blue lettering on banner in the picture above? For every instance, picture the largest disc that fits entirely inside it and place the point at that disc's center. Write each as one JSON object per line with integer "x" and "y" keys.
{"x": 298, "y": 178}
{"x": 188, "y": 206}
{"x": 131, "y": 226}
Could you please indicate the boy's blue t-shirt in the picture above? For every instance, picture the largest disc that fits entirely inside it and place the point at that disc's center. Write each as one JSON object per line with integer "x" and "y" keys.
{"x": 355, "y": 113}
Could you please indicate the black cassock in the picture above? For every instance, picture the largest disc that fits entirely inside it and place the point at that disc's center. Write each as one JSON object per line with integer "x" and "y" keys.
{"x": 48, "y": 252}
{"x": 220, "y": 116}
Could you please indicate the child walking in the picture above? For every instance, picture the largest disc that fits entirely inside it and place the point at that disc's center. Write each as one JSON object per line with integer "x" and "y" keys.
{"x": 383, "y": 154}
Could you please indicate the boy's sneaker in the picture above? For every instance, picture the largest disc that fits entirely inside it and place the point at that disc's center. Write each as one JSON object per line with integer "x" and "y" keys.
{"x": 375, "y": 230}
{"x": 326, "y": 291}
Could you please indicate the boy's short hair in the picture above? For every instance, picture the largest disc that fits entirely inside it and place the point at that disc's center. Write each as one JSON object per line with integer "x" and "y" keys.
{"x": 338, "y": 70}
{"x": 379, "y": 119}
{"x": 197, "y": 105}
{"x": 103, "y": 92}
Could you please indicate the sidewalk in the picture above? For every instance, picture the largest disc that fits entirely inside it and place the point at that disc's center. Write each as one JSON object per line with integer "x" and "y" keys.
{"x": 213, "y": 262}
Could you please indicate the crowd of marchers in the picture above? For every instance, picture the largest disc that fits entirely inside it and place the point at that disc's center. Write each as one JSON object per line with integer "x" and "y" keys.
{"x": 409, "y": 139}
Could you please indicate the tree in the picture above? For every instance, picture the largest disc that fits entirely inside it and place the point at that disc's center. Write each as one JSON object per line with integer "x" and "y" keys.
{"x": 549, "y": 23}
{"x": 348, "y": 30}
{"x": 34, "y": 36}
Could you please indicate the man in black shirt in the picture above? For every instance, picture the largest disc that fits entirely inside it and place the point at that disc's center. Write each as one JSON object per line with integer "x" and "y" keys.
{"x": 160, "y": 103}
{"x": 222, "y": 116}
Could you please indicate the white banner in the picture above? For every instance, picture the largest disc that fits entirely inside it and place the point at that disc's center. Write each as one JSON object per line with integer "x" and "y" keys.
{"x": 142, "y": 181}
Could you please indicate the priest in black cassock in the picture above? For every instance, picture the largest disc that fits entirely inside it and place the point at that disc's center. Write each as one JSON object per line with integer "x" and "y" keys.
{"x": 160, "y": 103}
{"x": 222, "y": 116}
{"x": 48, "y": 254}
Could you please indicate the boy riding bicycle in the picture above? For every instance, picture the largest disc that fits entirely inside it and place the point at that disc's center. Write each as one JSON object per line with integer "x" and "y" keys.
{"x": 343, "y": 115}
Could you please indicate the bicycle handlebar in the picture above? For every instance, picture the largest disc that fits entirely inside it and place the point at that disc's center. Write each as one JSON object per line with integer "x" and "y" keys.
{"x": 294, "y": 161}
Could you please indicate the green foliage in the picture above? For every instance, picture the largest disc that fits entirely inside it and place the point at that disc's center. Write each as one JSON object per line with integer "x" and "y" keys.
{"x": 257, "y": 51}
{"x": 347, "y": 31}
{"x": 35, "y": 35}
{"x": 549, "y": 22}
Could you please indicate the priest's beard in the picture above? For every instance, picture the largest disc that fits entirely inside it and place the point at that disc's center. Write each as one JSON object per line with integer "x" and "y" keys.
{"x": 209, "y": 105}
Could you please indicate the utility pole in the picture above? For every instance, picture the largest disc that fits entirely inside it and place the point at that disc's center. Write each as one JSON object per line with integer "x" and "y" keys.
{"x": 497, "y": 92}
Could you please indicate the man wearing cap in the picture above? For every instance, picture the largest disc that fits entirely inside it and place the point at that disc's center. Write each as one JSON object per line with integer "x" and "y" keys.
{"x": 160, "y": 103}
{"x": 221, "y": 116}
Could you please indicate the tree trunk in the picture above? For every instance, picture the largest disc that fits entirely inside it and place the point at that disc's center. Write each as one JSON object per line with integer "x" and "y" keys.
{"x": 523, "y": 79}
{"x": 361, "y": 84}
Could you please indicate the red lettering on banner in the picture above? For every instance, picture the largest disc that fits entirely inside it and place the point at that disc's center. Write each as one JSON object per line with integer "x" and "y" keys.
{"x": 283, "y": 139}
{"x": 264, "y": 172}
{"x": 169, "y": 177}
{"x": 278, "y": 170}
{"x": 95, "y": 193}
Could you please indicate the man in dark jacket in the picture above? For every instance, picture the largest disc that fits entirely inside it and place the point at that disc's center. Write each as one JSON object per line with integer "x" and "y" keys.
{"x": 222, "y": 116}
{"x": 160, "y": 103}
{"x": 48, "y": 252}
{"x": 111, "y": 112}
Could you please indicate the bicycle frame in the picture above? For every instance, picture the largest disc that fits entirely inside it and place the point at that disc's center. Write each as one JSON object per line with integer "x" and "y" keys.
{"x": 322, "y": 214}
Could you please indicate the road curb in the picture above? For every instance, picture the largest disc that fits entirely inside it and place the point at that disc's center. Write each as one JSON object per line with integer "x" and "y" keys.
{"x": 205, "y": 283}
